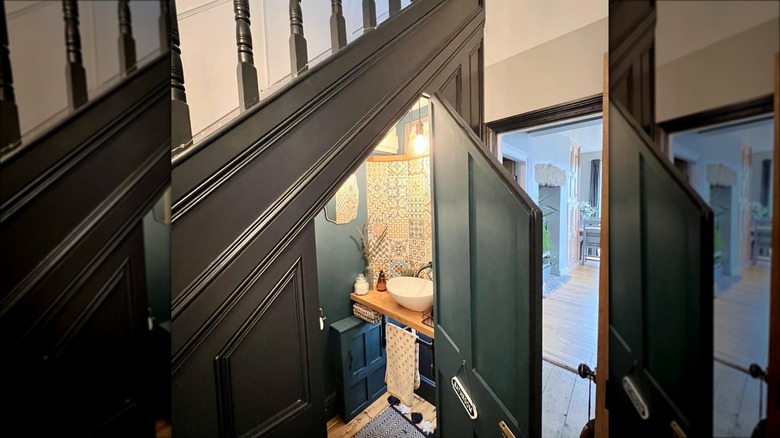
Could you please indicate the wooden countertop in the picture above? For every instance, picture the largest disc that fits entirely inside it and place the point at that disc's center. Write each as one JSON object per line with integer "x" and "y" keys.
{"x": 383, "y": 303}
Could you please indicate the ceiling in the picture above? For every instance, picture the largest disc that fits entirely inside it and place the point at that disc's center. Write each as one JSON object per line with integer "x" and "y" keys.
{"x": 757, "y": 134}
{"x": 587, "y": 133}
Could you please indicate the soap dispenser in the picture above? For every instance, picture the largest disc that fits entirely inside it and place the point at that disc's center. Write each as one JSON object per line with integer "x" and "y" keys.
{"x": 381, "y": 284}
{"x": 361, "y": 285}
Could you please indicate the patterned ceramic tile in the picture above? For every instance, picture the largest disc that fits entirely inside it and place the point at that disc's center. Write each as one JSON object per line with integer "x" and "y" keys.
{"x": 419, "y": 187}
{"x": 395, "y": 266}
{"x": 399, "y": 229}
{"x": 416, "y": 167}
{"x": 398, "y": 168}
{"x": 416, "y": 208}
{"x": 397, "y": 208}
{"x": 397, "y": 187}
{"x": 399, "y": 197}
{"x": 398, "y": 248}
{"x": 416, "y": 229}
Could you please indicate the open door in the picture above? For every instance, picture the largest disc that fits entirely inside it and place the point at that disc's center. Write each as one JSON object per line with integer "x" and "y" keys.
{"x": 488, "y": 289}
{"x": 660, "y": 297}
{"x": 773, "y": 376}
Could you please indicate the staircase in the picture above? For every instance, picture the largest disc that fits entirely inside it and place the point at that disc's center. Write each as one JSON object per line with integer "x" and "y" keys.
{"x": 76, "y": 351}
{"x": 244, "y": 296}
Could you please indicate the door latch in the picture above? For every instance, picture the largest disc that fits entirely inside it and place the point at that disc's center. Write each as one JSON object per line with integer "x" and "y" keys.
{"x": 505, "y": 431}
{"x": 322, "y": 320}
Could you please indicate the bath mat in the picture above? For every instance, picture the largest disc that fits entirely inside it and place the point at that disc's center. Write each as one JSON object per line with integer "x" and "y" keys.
{"x": 724, "y": 283}
{"x": 390, "y": 423}
{"x": 551, "y": 283}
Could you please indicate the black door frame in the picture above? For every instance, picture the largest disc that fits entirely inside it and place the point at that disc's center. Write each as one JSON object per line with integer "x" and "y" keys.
{"x": 759, "y": 106}
{"x": 762, "y": 105}
{"x": 585, "y": 106}
{"x": 556, "y": 113}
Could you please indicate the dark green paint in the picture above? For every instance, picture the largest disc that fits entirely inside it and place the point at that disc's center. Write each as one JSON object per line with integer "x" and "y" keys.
{"x": 488, "y": 258}
{"x": 339, "y": 261}
{"x": 660, "y": 243}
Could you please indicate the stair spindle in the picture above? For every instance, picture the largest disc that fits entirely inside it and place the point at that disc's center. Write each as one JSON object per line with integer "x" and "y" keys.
{"x": 9, "y": 114}
{"x": 248, "y": 91}
{"x": 127, "y": 57}
{"x": 395, "y": 7}
{"x": 299, "y": 55}
{"x": 338, "y": 27}
{"x": 165, "y": 25}
{"x": 74, "y": 70}
{"x": 369, "y": 15}
{"x": 181, "y": 127}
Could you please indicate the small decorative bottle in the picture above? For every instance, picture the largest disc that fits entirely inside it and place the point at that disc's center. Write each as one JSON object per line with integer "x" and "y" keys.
{"x": 381, "y": 285}
{"x": 361, "y": 285}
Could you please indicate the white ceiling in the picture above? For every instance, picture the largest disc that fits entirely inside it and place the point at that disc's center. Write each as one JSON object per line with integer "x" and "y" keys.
{"x": 588, "y": 133}
{"x": 514, "y": 26}
{"x": 684, "y": 27}
{"x": 589, "y": 137}
{"x": 758, "y": 135}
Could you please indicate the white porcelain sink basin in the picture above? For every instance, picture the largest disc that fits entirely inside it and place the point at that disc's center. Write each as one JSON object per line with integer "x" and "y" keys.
{"x": 410, "y": 292}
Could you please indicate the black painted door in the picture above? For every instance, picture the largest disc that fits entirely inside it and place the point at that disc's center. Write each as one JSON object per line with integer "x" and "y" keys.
{"x": 488, "y": 297}
{"x": 660, "y": 292}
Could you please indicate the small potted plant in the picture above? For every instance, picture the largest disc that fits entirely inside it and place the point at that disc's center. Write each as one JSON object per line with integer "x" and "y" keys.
{"x": 369, "y": 251}
{"x": 546, "y": 248}
{"x": 587, "y": 211}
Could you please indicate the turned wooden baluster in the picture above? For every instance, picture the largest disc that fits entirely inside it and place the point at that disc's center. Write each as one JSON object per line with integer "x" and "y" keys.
{"x": 181, "y": 127}
{"x": 338, "y": 27}
{"x": 369, "y": 15}
{"x": 9, "y": 114}
{"x": 299, "y": 55}
{"x": 248, "y": 91}
{"x": 395, "y": 7}
{"x": 74, "y": 70}
{"x": 127, "y": 58}
{"x": 164, "y": 24}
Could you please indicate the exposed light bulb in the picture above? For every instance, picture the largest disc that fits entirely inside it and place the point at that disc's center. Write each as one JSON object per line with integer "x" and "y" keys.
{"x": 420, "y": 143}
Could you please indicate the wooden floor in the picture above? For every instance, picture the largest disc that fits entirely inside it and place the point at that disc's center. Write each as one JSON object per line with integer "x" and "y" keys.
{"x": 570, "y": 319}
{"x": 735, "y": 402}
{"x": 564, "y": 402}
{"x": 337, "y": 428}
{"x": 569, "y": 336}
{"x": 741, "y": 319}
{"x": 564, "y": 407}
{"x": 741, "y": 335}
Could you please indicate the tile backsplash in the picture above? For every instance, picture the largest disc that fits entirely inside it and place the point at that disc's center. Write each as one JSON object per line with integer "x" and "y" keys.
{"x": 399, "y": 198}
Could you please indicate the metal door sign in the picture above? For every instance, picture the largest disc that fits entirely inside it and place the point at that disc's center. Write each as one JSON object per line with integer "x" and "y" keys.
{"x": 465, "y": 399}
{"x": 636, "y": 398}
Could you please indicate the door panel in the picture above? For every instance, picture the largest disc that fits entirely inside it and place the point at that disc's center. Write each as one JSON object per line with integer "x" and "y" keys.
{"x": 487, "y": 256}
{"x": 257, "y": 369}
{"x": 660, "y": 297}
{"x": 632, "y": 59}
{"x": 74, "y": 344}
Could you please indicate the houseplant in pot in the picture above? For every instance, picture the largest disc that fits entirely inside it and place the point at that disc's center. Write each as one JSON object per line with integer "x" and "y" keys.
{"x": 369, "y": 250}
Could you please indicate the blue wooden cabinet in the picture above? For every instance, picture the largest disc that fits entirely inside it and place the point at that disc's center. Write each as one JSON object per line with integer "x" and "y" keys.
{"x": 362, "y": 362}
